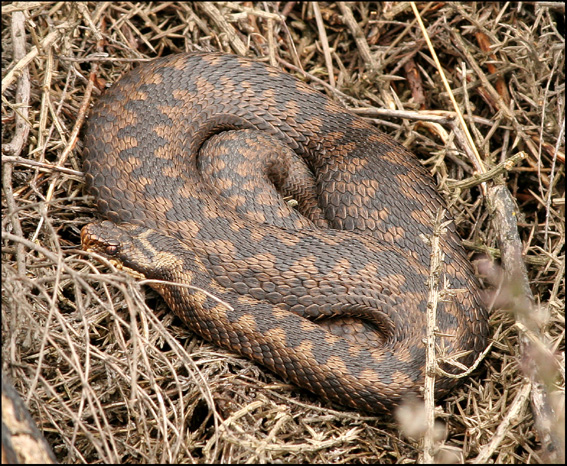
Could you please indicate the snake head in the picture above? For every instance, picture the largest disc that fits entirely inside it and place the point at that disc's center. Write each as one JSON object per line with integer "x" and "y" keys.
{"x": 143, "y": 252}
{"x": 92, "y": 240}
{"x": 115, "y": 242}
{"x": 106, "y": 238}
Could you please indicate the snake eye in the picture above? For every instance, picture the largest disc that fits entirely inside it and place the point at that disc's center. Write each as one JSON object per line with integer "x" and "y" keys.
{"x": 112, "y": 248}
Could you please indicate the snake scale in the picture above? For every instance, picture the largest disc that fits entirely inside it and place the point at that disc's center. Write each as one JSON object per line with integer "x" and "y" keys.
{"x": 188, "y": 158}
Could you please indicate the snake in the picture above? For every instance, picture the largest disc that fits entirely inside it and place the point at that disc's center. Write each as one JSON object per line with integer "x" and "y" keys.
{"x": 279, "y": 225}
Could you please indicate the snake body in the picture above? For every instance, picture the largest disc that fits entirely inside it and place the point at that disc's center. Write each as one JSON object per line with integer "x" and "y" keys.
{"x": 188, "y": 156}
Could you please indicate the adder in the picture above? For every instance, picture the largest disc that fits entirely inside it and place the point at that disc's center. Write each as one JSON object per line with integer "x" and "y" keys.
{"x": 189, "y": 158}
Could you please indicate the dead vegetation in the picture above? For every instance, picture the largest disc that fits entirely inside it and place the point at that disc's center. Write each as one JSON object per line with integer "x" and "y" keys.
{"x": 110, "y": 375}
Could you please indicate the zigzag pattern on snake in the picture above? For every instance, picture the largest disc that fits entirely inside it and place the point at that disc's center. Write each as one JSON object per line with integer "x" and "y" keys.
{"x": 188, "y": 158}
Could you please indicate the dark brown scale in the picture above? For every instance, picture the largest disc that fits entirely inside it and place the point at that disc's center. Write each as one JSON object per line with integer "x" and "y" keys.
{"x": 337, "y": 310}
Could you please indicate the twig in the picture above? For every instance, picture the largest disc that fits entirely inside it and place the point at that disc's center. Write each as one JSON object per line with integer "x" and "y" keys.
{"x": 464, "y": 48}
{"x": 219, "y": 21}
{"x": 435, "y": 269}
{"x": 47, "y": 166}
{"x": 318, "y": 80}
{"x": 20, "y": 138}
{"x": 504, "y": 218}
{"x": 24, "y": 62}
{"x": 443, "y": 117}
{"x": 80, "y": 115}
{"x": 20, "y": 6}
{"x": 96, "y": 58}
{"x": 555, "y": 152}
{"x": 358, "y": 35}
{"x": 476, "y": 160}
{"x": 468, "y": 86}
{"x": 87, "y": 16}
{"x": 495, "y": 253}
{"x": 252, "y": 11}
{"x": 513, "y": 412}
{"x": 15, "y": 146}
{"x": 293, "y": 50}
{"x": 47, "y": 105}
{"x": 22, "y": 442}
{"x": 12, "y": 209}
{"x": 479, "y": 178}
{"x": 324, "y": 43}
{"x": 71, "y": 143}
{"x": 271, "y": 43}
{"x": 148, "y": 281}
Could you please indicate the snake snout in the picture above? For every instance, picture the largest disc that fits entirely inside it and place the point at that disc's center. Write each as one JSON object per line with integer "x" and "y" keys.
{"x": 95, "y": 239}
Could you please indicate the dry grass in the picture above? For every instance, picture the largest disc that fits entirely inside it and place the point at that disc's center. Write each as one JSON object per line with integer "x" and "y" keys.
{"x": 111, "y": 376}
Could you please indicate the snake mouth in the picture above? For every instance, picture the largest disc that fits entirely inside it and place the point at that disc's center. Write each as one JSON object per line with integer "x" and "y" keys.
{"x": 101, "y": 238}
{"x": 92, "y": 241}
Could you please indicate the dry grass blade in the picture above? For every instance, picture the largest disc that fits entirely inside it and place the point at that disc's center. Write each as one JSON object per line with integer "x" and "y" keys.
{"x": 109, "y": 375}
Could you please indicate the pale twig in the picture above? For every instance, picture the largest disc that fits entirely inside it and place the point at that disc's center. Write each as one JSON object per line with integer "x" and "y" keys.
{"x": 71, "y": 143}
{"x": 442, "y": 117}
{"x": 96, "y": 57}
{"x": 324, "y": 43}
{"x": 358, "y": 35}
{"x": 45, "y": 166}
{"x": 435, "y": 270}
{"x": 26, "y": 444}
{"x": 252, "y": 11}
{"x": 465, "y": 49}
{"x": 219, "y": 21}
{"x": 511, "y": 417}
{"x": 186, "y": 285}
{"x": 88, "y": 19}
{"x": 479, "y": 178}
{"x": 16, "y": 145}
{"x": 33, "y": 53}
{"x": 476, "y": 160}
{"x": 317, "y": 80}
{"x": 271, "y": 43}
{"x": 503, "y": 211}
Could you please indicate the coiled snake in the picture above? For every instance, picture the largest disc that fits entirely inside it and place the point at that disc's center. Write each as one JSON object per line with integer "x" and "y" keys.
{"x": 188, "y": 156}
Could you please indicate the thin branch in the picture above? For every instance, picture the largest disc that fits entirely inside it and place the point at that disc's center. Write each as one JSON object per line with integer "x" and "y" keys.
{"x": 324, "y": 43}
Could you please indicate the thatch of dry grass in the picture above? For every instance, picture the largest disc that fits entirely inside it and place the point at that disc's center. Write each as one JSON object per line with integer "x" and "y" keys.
{"x": 111, "y": 376}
